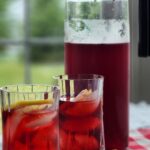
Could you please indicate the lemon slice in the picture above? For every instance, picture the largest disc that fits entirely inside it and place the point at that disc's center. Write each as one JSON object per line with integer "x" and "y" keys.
{"x": 29, "y": 103}
{"x": 83, "y": 95}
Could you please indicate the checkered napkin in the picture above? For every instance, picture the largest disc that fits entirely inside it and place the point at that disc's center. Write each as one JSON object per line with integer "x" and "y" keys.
{"x": 139, "y": 139}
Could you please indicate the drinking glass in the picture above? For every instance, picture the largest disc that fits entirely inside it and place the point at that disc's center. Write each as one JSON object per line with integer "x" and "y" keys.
{"x": 81, "y": 112}
{"x": 30, "y": 117}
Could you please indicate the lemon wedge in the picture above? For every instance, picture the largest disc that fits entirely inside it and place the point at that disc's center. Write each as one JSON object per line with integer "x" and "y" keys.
{"x": 29, "y": 103}
{"x": 83, "y": 95}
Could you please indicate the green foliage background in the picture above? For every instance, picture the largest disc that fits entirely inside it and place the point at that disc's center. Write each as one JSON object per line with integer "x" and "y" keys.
{"x": 3, "y": 24}
{"x": 4, "y": 33}
{"x": 47, "y": 19}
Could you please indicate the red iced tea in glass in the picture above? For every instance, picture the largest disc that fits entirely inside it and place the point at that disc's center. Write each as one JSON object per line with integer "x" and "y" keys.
{"x": 81, "y": 124}
{"x": 31, "y": 127}
{"x": 30, "y": 117}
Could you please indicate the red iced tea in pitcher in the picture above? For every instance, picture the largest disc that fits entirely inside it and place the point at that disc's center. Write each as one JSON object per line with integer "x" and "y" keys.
{"x": 97, "y": 42}
{"x": 112, "y": 61}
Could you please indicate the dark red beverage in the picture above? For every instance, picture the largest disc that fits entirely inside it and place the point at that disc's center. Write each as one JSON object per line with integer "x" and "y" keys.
{"x": 81, "y": 125}
{"x": 28, "y": 128}
{"x": 112, "y": 61}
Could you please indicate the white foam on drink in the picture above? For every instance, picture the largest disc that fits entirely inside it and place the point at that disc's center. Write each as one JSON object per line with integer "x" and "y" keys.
{"x": 94, "y": 31}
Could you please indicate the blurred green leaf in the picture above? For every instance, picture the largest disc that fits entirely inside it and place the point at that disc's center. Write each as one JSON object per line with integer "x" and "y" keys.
{"x": 3, "y": 24}
{"x": 47, "y": 18}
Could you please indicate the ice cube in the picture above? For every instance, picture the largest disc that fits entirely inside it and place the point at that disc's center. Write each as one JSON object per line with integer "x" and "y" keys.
{"x": 42, "y": 120}
{"x": 83, "y": 95}
{"x": 35, "y": 108}
{"x": 12, "y": 123}
{"x": 87, "y": 142}
{"x": 74, "y": 141}
{"x": 80, "y": 108}
{"x": 67, "y": 141}
{"x": 44, "y": 138}
{"x": 86, "y": 95}
{"x": 81, "y": 125}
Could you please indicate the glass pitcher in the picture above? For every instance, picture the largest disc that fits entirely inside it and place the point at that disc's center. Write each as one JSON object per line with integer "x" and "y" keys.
{"x": 97, "y": 41}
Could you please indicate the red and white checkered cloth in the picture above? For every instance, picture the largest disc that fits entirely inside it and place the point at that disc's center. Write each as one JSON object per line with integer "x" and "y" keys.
{"x": 139, "y": 139}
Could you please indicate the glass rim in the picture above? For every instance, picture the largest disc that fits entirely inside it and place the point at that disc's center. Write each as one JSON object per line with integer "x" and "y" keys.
{"x": 4, "y": 88}
{"x": 65, "y": 77}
